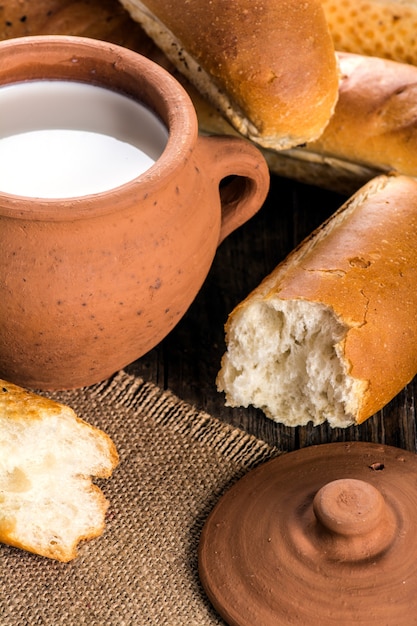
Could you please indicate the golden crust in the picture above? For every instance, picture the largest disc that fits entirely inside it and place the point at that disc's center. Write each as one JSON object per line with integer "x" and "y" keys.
{"x": 98, "y": 19}
{"x": 48, "y": 456}
{"x": 374, "y": 122}
{"x": 270, "y": 66}
{"x": 373, "y": 129}
{"x": 19, "y": 404}
{"x": 362, "y": 264}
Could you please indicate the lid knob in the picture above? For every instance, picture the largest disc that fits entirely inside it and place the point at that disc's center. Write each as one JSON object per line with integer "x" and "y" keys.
{"x": 354, "y": 520}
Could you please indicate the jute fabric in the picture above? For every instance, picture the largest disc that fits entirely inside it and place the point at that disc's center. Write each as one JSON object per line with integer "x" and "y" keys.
{"x": 175, "y": 463}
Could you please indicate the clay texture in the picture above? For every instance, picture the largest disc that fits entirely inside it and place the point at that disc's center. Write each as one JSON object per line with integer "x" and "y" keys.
{"x": 322, "y": 535}
{"x": 90, "y": 284}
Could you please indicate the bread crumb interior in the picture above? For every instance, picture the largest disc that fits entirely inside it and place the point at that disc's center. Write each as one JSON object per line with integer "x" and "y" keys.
{"x": 284, "y": 357}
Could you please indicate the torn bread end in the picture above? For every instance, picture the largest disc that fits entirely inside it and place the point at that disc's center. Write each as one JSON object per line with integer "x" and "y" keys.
{"x": 284, "y": 357}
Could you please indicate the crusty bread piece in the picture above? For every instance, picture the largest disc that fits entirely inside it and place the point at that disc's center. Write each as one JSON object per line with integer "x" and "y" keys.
{"x": 99, "y": 19}
{"x": 268, "y": 66}
{"x": 302, "y": 164}
{"x": 331, "y": 333}
{"x": 381, "y": 28}
{"x": 375, "y": 121}
{"x": 48, "y": 502}
{"x": 373, "y": 129}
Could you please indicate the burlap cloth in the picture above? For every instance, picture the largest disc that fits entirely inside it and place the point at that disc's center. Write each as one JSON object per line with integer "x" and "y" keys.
{"x": 175, "y": 462}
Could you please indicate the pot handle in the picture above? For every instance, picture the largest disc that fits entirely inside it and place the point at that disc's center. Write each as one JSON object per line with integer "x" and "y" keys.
{"x": 245, "y": 193}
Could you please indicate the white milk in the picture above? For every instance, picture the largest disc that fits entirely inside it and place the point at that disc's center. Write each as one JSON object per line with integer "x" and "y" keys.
{"x": 61, "y": 139}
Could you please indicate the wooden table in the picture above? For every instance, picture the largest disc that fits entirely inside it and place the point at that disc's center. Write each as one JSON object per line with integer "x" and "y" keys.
{"x": 188, "y": 360}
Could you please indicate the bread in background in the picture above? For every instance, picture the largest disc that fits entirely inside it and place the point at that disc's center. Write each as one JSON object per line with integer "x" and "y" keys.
{"x": 374, "y": 126}
{"x": 269, "y": 66}
{"x": 373, "y": 129}
{"x": 102, "y": 19}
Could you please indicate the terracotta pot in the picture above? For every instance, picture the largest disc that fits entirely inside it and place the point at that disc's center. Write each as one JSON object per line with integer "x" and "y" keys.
{"x": 323, "y": 535}
{"x": 89, "y": 284}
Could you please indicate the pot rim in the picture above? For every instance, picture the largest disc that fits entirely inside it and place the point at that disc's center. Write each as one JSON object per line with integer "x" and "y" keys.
{"x": 29, "y": 58}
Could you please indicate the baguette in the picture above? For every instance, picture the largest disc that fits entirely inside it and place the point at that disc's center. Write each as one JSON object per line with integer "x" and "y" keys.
{"x": 330, "y": 334}
{"x": 302, "y": 165}
{"x": 48, "y": 503}
{"x": 381, "y": 28}
{"x": 373, "y": 129}
{"x": 269, "y": 67}
{"x": 375, "y": 121}
{"x": 99, "y": 19}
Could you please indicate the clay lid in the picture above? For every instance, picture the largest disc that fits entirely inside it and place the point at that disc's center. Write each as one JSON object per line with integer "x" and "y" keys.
{"x": 327, "y": 534}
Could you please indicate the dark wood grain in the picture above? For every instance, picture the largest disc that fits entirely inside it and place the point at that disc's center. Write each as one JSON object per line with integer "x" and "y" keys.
{"x": 188, "y": 360}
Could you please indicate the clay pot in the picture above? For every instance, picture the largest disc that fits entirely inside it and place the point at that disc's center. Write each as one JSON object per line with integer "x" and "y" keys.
{"x": 89, "y": 284}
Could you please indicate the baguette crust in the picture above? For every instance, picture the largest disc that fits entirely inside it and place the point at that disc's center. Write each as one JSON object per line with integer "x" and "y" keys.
{"x": 284, "y": 100}
{"x": 301, "y": 164}
{"x": 375, "y": 120}
{"x": 99, "y": 19}
{"x": 364, "y": 266}
{"x": 360, "y": 267}
{"x": 373, "y": 129}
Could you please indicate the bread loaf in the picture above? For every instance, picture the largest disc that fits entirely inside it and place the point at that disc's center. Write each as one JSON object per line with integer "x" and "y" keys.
{"x": 373, "y": 129}
{"x": 375, "y": 121}
{"x": 331, "y": 333}
{"x": 381, "y": 28}
{"x": 48, "y": 503}
{"x": 100, "y": 19}
{"x": 269, "y": 67}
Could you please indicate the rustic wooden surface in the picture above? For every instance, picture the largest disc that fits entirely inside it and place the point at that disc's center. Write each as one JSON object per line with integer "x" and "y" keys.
{"x": 188, "y": 360}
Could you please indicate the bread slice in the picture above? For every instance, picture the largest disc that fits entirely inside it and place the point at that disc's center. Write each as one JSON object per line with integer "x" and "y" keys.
{"x": 48, "y": 502}
{"x": 269, "y": 67}
{"x": 330, "y": 334}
